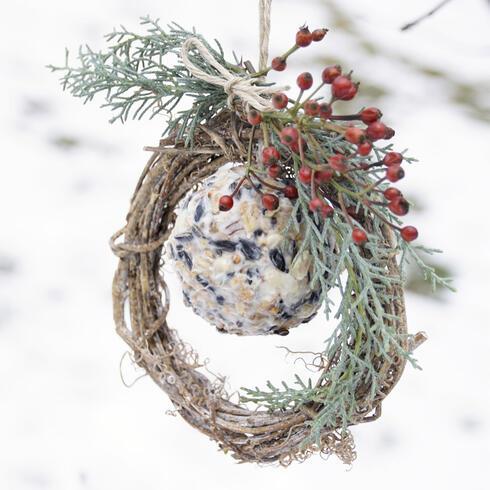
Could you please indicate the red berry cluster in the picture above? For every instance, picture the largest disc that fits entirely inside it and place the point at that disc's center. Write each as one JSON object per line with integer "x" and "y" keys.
{"x": 327, "y": 173}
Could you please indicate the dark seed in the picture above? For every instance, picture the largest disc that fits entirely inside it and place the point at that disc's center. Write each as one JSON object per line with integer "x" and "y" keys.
{"x": 314, "y": 297}
{"x": 277, "y": 259}
{"x": 249, "y": 281}
{"x": 294, "y": 249}
{"x": 220, "y": 300}
{"x": 179, "y": 246}
{"x": 197, "y": 231}
{"x": 182, "y": 254}
{"x": 227, "y": 245}
{"x": 199, "y": 212}
{"x": 230, "y": 274}
{"x": 239, "y": 324}
{"x": 286, "y": 315}
{"x": 202, "y": 281}
{"x": 250, "y": 250}
{"x": 273, "y": 221}
{"x": 282, "y": 332}
{"x": 258, "y": 232}
{"x": 184, "y": 237}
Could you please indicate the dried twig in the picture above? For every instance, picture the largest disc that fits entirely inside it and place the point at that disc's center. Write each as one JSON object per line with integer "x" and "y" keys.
{"x": 431, "y": 12}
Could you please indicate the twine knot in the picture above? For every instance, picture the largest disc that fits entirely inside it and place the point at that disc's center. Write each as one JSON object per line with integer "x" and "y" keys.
{"x": 229, "y": 88}
{"x": 243, "y": 87}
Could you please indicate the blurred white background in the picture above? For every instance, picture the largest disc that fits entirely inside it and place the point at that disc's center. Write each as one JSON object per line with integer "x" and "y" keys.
{"x": 66, "y": 419}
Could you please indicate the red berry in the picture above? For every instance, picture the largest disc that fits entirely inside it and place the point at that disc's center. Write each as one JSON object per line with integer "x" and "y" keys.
{"x": 278, "y": 64}
{"x": 370, "y": 115}
{"x": 409, "y": 233}
{"x": 274, "y": 171}
{"x": 325, "y": 110}
{"x": 254, "y": 117}
{"x": 343, "y": 88}
{"x": 354, "y": 135}
{"x": 338, "y": 163}
{"x": 312, "y": 108}
{"x": 270, "y": 155}
{"x": 318, "y": 34}
{"x": 304, "y": 80}
{"x": 376, "y": 131}
{"x": 394, "y": 173}
{"x": 390, "y": 132}
{"x": 304, "y": 174}
{"x": 280, "y": 100}
{"x": 323, "y": 176}
{"x": 304, "y": 37}
{"x": 399, "y": 206}
{"x": 225, "y": 203}
{"x": 327, "y": 210}
{"x": 392, "y": 193}
{"x": 270, "y": 201}
{"x": 315, "y": 204}
{"x": 351, "y": 93}
{"x": 365, "y": 148}
{"x": 291, "y": 191}
{"x": 330, "y": 73}
{"x": 294, "y": 146}
{"x": 289, "y": 135}
{"x": 359, "y": 237}
{"x": 392, "y": 158}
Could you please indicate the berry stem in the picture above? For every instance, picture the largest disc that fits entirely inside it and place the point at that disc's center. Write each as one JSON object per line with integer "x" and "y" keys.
{"x": 313, "y": 94}
{"x": 344, "y": 210}
{"x": 285, "y": 56}
{"x": 242, "y": 180}
{"x": 257, "y": 190}
{"x": 347, "y": 117}
{"x": 265, "y": 183}
{"x": 294, "y": 110}
{"x": 265, "y": 133}
{"x": 381, "y": 217}
{"x": 370, "y": 187}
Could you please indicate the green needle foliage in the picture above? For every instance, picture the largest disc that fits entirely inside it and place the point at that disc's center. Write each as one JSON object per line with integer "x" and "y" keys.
{"x": 365, "y": 330}
{"x": 142, "y": 75}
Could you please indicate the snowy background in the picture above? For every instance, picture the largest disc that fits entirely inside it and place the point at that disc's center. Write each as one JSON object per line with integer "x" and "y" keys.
{"x": 66, "y": 419}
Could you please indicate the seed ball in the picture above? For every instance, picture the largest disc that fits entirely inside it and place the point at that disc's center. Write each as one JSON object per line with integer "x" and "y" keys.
{"x": 239, "y": 270}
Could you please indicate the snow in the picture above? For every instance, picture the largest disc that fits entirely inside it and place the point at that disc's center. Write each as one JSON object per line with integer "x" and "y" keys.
{"x": 66, "y": 419}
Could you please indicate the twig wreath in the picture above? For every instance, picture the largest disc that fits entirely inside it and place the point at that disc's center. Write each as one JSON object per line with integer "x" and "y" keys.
{"x": 331, "y": 174}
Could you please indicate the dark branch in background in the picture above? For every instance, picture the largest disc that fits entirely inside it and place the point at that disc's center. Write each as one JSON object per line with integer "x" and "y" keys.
{"x": 431, "y": 12}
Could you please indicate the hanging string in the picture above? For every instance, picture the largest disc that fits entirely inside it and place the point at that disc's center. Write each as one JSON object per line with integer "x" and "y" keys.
{"x": 243, "y": 87}
{"x": 264, "y": 32}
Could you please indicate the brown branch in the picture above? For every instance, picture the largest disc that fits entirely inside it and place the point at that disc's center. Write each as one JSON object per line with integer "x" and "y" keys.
{"x": 425, "y": 16}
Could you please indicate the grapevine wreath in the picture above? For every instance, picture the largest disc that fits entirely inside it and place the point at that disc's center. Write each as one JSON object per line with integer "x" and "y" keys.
{"x": 265, "y": 202}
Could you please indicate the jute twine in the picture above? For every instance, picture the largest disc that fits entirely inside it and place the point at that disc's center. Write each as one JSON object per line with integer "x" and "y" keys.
{"x": 141, "y": 304}
{"x": 250, "y": 93}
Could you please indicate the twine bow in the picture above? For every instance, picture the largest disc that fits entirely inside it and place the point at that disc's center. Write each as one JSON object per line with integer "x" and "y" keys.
{"x": 243, "y": 87}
